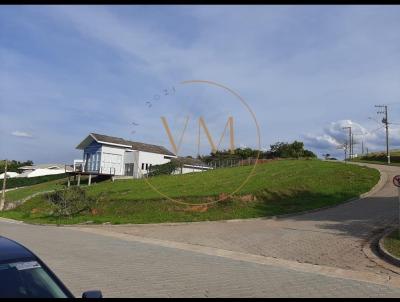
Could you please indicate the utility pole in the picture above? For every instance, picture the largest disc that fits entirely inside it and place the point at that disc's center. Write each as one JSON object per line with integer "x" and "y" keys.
{"x": 386, "y": 122}
{"x": 350, "y": 143}
{"x": 3, "y": 195}
{"x": 362, "y": 147}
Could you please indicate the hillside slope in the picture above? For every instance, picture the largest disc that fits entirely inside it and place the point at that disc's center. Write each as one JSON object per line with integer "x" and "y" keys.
{"x": 279, "y": 187}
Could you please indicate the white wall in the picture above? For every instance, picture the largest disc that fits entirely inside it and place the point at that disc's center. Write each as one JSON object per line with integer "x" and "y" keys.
{"x": 188, "y": 170}
{"x": 150, "y": 158}
{"x": 112, "y": 158}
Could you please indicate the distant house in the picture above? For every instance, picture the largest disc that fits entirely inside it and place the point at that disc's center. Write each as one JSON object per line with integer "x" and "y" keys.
{"x": 103, "y": 154}
{"x": 42, "y": 170}
{"x": 38, "y": 170}
{"x": 9, "y": 175}
{"x": 189, "y": 165}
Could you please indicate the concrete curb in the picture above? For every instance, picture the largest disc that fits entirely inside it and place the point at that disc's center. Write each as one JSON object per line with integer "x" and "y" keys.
{"x": 384, "y": 252}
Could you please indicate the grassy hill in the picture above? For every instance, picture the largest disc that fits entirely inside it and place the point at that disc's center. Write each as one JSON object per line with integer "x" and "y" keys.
{"x": 278, "y": 187}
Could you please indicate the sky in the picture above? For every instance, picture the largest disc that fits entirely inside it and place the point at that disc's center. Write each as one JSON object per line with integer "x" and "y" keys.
{"x": 304, "y": 71}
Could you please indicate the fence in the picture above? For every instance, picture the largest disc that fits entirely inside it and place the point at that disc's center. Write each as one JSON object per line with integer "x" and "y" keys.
{"x": 227, "y": 163}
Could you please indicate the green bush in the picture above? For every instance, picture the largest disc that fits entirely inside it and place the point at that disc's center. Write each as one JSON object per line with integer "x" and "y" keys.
{"x": 165, "y": 169}
{"x": 25, "y": 181}
{"x": 70, "y": 201}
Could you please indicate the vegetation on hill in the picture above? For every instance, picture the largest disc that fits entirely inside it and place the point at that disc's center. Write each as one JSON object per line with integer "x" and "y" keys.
{"x": 380, "y": 157}
{"x": 277, "y": 150}
{"x": 392, "y": 243}
{"x": 25, "y": 181}
{"x": 13, "y": 165}
{"x": 277, "y": 187}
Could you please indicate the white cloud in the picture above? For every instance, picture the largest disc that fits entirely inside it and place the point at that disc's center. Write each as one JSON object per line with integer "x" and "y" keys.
{"x": 334, "y": 136}
{"x": 21, "y": 134}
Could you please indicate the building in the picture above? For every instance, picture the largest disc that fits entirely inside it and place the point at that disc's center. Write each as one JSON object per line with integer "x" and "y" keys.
{"x": 9, "y": 175}
{"x": 42, "y": 170}
{"x": 38, "y": 170}
{"x": 103, "y": 154}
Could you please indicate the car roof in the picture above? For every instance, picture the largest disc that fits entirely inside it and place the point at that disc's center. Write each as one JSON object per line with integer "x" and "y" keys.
{"x": 10, "y": 250}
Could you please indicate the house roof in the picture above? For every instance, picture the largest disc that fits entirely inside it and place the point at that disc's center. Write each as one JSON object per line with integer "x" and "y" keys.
{"x": 112, "y": 140}
{"x": 190, "y": 161}
{"x": 43, "y": 166}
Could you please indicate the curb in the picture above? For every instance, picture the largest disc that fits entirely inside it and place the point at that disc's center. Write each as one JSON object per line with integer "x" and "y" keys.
{"x": 384, "y": 252}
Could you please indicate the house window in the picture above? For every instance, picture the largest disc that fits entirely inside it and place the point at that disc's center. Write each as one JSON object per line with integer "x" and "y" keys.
{"x": 142, "y": 166}
{"x": 147, "y": 166}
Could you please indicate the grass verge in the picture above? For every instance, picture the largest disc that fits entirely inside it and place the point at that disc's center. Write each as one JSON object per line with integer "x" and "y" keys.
{"x": 392, "y": 243}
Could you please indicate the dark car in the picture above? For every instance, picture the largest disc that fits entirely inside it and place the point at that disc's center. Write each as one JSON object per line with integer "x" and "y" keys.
{"x": 24, "y": 275}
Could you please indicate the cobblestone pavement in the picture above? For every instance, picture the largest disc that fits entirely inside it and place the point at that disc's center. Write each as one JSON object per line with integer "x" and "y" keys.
{"x": 122, "y": 268}
{"x": 133, "y": 261}
{"x": 333, "y": 237}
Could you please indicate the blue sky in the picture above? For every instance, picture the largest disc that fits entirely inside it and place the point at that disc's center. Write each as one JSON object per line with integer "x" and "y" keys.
{"x": 306, "y": 71}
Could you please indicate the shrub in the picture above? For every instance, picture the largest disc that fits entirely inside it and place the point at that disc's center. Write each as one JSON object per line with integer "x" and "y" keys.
{"x": 165, "y": 169}
{"x": 71, "y": 201}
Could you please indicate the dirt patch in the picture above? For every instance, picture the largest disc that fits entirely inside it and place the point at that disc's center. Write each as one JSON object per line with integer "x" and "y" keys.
{"x": 96, "y": 212}
{"x": 197, "y": 208}
{"x": 247, "y": 198}
{"x": 35, "y": 210}
{"x": 224, "y": 197}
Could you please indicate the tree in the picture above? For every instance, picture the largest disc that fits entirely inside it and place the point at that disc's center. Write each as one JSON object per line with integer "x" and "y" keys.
{"x": 326, "y": 156}
{"x": 290, "y": 150}
{"x": 13, "y": 165}
{"x": 164, "y": 169}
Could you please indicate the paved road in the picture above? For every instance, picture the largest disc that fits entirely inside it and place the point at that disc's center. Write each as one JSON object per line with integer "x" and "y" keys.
{"x": 256, "y": 258}
{"x": 333, "y": 237}
{"x": 123, "y": 268}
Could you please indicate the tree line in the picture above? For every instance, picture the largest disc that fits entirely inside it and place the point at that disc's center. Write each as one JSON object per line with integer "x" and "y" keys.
{"x": 13, "y": 165}
{"x": 277, "y": 150}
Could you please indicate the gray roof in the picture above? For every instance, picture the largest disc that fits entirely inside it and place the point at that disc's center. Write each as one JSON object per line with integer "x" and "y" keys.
{"x": 134, "y": 145}
{"x": 190, "y": 161}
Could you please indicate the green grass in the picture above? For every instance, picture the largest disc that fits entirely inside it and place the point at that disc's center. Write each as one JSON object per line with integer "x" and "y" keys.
{"x": 392, "y": 243}
{"x": 278, "y": 187}
{"x": 25, "y": 181}
{"x": 24, "y": 192}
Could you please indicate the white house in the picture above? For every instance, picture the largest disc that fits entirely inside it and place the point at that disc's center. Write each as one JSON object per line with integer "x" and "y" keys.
{"x": 42, "y": 170}
{"x": 9, "y": 175}
{"x": 103, "y": 154}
